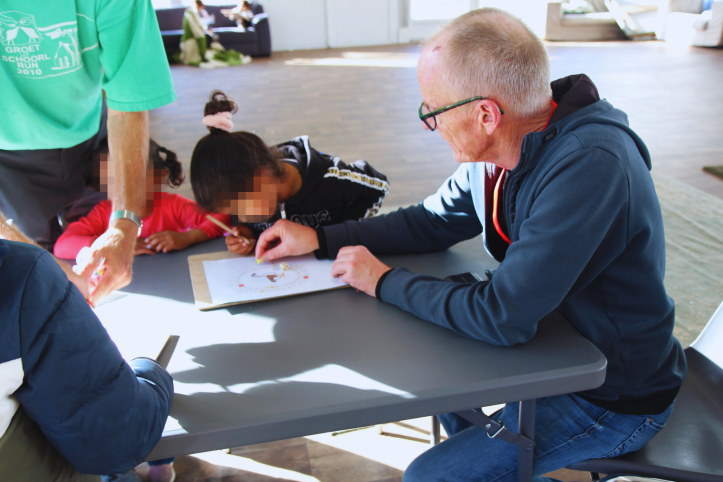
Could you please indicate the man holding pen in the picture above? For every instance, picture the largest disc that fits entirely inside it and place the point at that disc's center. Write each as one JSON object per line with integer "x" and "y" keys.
{"x": 559, "y": 187}
{"x": 62, "y": 59}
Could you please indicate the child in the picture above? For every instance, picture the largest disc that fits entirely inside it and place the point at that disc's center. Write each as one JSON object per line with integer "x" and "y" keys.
{"x": 237, "y": 173}
{"x": 170, "y": 221}
{"x": 241, "y": 14}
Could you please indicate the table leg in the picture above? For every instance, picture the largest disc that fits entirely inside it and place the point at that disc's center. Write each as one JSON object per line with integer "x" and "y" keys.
{"x": 527, "y": 429}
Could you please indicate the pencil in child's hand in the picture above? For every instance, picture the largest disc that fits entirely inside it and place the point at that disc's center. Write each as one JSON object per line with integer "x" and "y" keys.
{"x": 226, "y": 228}
{"x": 220, "y": 224}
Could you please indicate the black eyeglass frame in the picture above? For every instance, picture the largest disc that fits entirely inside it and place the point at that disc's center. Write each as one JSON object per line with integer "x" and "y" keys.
{"x": 424, "y": 117}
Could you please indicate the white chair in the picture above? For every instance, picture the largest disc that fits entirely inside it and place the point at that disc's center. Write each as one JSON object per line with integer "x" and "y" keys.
{"x": 684, "y": 22}
{"x": 689, "y": 448}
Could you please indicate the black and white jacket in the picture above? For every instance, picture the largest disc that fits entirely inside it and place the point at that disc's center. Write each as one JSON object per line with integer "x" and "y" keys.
{"x": 331, "y": 191}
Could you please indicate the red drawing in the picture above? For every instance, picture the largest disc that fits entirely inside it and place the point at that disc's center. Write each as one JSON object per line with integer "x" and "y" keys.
{"x": 240, "y": 286}
{"x": 306, "y": 277}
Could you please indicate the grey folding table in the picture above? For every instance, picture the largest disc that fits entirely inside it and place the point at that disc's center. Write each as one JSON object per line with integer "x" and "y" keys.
{"x": 332, "y": 360}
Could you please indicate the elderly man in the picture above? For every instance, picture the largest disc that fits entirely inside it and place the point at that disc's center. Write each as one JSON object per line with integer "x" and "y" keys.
{"x": 558, "y": 185}
{"x": 57, "y": 60}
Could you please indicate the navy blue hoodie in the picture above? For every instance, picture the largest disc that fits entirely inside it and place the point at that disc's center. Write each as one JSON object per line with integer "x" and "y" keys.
{"x": 587, "y": 240}
{"x": 58, "y": 363}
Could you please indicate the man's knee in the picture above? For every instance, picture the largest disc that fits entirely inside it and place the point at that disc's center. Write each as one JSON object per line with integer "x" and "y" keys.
{"x": 417, "y": 471}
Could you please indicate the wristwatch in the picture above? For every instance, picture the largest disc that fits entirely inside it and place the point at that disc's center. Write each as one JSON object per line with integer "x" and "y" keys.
{"x": 129, "y": 215}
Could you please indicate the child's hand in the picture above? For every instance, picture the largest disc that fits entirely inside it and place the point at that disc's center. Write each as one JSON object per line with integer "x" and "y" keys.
{"x": 166, "y": 241}
{"x": 141, "y": 247}
{"x": 236, "y": 244}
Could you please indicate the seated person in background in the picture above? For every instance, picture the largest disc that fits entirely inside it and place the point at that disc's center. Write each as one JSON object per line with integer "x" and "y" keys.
{"x": 237, "y": 173}
{"x": 242, "y": 14}
{"x": 195, "y": 49}
{"x": 205, "y": 18}
{"x": 69, "y": 403}
{"x": 170, "y": 221}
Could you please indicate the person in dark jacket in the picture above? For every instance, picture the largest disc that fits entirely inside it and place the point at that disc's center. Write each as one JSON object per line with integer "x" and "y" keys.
{"x": 237, "y": 173}
{"x": 70, "y": 406}
{"x": 559, "y": 186}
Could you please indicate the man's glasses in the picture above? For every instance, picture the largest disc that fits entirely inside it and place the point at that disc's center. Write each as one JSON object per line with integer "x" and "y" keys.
{"x": 429, "y": 117}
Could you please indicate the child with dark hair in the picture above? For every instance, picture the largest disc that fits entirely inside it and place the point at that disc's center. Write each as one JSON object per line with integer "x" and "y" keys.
{"x": 237, "y": 173}
{"x": 170, "y": 221}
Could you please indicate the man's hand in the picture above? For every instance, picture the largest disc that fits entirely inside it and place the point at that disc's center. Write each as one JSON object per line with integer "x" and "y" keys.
{"x": 358, "y": 267}
{"x": 236, "y": 244}
{"x": 285, "y": 238}
{"x": 113, "y": 250}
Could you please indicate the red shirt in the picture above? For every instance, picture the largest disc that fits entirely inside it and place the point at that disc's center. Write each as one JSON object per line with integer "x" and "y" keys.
{"x": 172, "y": 212}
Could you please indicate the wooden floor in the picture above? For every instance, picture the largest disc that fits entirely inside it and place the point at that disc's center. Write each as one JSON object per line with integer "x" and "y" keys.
{"x": 362, "y": 103}
{"x": 672, "y": 96}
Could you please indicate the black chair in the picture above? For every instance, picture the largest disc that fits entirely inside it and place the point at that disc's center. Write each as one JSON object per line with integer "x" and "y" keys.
{"x": 690, "y": 446}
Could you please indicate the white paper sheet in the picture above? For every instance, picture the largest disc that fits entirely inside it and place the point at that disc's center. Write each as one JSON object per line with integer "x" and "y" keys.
{"x": 240, "y": 280}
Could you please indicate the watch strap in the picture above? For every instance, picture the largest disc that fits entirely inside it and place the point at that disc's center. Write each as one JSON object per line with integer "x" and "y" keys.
{"x": 129, "y": 215}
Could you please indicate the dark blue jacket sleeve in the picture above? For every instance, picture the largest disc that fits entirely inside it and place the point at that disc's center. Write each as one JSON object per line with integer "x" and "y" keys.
{"x": 102, "y": 416}
{"x": 442, "y": 220}
{"x": 578, "y": 207}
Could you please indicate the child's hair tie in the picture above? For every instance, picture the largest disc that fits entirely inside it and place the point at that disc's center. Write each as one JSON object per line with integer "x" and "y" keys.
{"x": 219, "y": 120}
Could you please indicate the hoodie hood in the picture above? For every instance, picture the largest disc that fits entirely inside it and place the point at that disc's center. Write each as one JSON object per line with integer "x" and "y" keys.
{"x": 578, "y": 105}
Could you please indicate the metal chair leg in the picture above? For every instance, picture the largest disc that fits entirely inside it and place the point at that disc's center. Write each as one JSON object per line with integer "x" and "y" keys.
{"x": 434, "y": 434}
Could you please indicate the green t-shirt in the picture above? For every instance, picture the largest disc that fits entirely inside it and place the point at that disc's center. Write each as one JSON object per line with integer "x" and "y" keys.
{"x": 57, "y": 57}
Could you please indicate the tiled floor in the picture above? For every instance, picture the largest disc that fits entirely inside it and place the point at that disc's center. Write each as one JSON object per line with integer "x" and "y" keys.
{"x": 353, "y": 107}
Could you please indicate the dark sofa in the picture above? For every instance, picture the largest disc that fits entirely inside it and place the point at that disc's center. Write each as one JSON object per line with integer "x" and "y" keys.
{"x": 255, "y": 41}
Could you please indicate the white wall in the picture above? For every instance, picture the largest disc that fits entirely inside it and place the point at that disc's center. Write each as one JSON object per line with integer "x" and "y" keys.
{"x": 317, "y": 24}
{"x": 532, "y": 12}
{"x": 360, "y": 23}
{"x": 297, "y": 24}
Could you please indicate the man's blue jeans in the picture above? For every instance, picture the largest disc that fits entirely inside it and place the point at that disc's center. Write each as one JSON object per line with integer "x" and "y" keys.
{"x": 568, "y": 429}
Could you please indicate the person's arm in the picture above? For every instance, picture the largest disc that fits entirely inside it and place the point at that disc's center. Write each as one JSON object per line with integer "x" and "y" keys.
{"x": 128, "y": 151}
{"x": 83, "y": 232}
{"x": 195, "y": 227}
{"x": 167, "y": 241}
{"x": 442, "y": 220}
{"x": 362, "y": 187}
{"x": 576, "y": 209}
{"x": 136, "y": 78}
{"x": 12, "y": 233}
{"x": 101, "y": 414}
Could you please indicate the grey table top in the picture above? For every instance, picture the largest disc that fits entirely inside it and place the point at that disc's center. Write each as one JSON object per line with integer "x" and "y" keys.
{"x": 327, "y": 361}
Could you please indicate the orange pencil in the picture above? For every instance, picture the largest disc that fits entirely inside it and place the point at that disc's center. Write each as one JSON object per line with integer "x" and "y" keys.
{"x": 226, "y": 228}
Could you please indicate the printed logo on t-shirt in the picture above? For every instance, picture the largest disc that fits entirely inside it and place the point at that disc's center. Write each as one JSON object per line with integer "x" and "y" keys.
{"x": 39, "y": 52}
{"x": 311, "y": 220}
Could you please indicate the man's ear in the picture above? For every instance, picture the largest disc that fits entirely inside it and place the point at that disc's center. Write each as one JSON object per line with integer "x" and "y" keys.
{"x": 489, "y": 115}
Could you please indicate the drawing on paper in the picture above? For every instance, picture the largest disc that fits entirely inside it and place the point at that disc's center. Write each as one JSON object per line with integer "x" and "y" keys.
{"x": 270, "y": 276}
{"x": 239, "y": 280}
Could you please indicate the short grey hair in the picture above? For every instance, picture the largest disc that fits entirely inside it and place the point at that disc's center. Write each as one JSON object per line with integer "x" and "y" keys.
{"x": 492, "y": 53}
